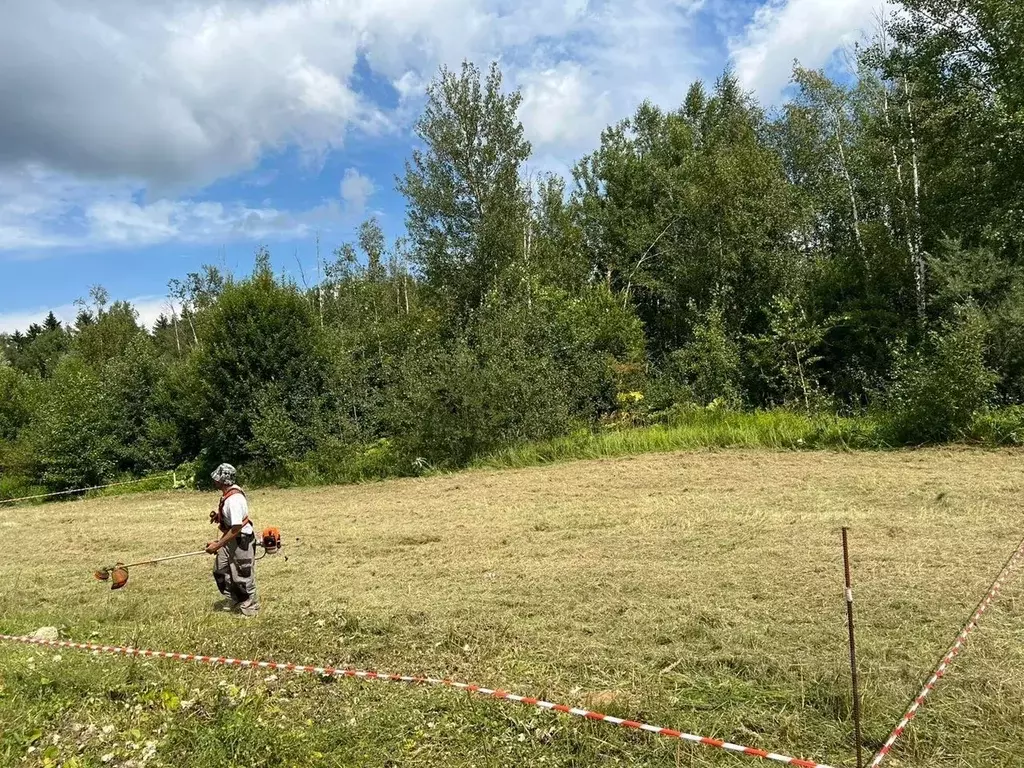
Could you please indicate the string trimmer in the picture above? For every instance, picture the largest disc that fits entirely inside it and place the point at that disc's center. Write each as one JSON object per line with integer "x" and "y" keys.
{"x": 117, "y": 574}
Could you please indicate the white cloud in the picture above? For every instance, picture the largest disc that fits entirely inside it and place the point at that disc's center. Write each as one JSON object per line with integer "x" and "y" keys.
{"x": 110, "y": 101}
{"x": 32, "y": 203}
{"x": 20, "y": 320}
{"x": 149, "y": 309}
{"x": 810, "y": 31}
{"x": 41, "y": 210}
{"x": 171, "y": 96}
{"x": 561, "y": 107}
{"x": 122, "y": 221}
{"x": 356, "y": 190}
{"x": 409, "y": 85}
{"x": 24, "y": 237}
{"x": 126, "y": 222}
{"x": 184, "y": 94}
{"x": 616, "y": 55}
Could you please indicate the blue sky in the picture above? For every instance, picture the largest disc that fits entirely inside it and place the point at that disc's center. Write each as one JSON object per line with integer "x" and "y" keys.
{"x": 142, "y": 140}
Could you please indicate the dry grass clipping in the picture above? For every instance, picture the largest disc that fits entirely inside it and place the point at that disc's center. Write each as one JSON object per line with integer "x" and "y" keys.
{"x": 701, "y": 591}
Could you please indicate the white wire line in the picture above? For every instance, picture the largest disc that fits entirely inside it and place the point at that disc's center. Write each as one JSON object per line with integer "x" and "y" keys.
{"x": 84, "y": 490}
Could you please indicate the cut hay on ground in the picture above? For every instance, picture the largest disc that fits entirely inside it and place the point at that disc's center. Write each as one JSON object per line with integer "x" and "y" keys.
{"x": 700, "y": 591}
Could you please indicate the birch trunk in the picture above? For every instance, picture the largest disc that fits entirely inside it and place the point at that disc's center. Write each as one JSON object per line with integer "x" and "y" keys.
{"x": 177, "y": 338}
{"x": 918, "y": 255}
{"x": 897, "y": 166}
{"x": 849, "y": 183}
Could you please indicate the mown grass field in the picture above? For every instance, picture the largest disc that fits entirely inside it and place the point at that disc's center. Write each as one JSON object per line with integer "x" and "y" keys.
{"x": 700, "y": 591}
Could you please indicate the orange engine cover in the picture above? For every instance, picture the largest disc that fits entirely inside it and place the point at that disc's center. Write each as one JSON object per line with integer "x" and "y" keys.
{"x": 271, "y": 540}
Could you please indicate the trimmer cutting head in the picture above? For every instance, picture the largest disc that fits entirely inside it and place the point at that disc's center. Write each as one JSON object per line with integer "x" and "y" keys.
{"x": 117, "y": 574}
{"x": 119, "y": 578}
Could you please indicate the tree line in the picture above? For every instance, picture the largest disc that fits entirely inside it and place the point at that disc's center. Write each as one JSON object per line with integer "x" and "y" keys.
{"x": 856, "y": 250}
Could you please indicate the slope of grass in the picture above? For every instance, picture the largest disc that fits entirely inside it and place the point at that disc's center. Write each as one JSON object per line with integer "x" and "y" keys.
{"x": 694, "y": 590}
{"x": 694, "y": 429}
{"x": 776, "y": 430}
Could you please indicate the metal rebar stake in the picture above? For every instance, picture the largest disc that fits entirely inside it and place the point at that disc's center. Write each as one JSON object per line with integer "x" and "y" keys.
{"x": 853, "y": 649}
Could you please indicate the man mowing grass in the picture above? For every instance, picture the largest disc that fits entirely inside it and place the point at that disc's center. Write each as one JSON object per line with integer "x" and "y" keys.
{"x": 235, "y": 567}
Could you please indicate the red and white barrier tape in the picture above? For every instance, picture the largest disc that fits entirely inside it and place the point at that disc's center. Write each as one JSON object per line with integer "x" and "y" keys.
{"x": 954, "y": 651}
{"x": 365, "y": 675}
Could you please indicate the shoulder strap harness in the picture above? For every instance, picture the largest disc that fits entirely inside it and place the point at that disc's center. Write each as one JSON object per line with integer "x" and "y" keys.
{"x": 220, "y": 508}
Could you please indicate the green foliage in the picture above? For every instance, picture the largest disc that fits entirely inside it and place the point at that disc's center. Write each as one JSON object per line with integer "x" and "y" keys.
{"x": 15, "y": 402}
{"x": 786, "y": 357}
{"x": 522, "y": 370}
{"x": 936, "y": 393}
{"x": 704, "y": 371}
{"x": 682, "y": 208}
{"x": 1002, "y": 427}
{"x": 130, "y": 397}
{"x": 491, "y": 387}
{"x": 965, "y": 274}
{"x": 261, "y": 373}
{"x": 957, "y": 69}
{"x": 690, "y": 428}
{"x": 71, "y": 440}
{"x": 596, "y": 341}
{"x": 556, "y": 252}
{"x": 371, "y": 240}
{"x": 466, "y": 207}
{"x": 1007, "y": 351}
{"x": 40, "y": 349}
{"x": 107, "y": 333}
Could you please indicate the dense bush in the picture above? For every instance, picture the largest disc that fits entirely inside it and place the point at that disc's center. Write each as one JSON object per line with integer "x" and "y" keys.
{"x": 261, "y": 373}
{"x": 938, "y": 390}
{"x": 143, "y": 432}
{"x": 71, "y": 437}
{"x": 704, "y": 371}
{"x": 15, "y": 401}
{"x": 1004, "y": 426}
{"x": 521, "y": 371}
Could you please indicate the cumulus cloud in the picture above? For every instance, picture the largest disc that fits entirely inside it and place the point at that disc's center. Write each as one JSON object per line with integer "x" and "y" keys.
{"x": 809, "y": 31}
{"x": 615, "y": 55}
{"x": 110, "y": 102}
{"x": 356, "y": 190}
{"x": 561, "y": 105}
{"x": 170, "y": 94}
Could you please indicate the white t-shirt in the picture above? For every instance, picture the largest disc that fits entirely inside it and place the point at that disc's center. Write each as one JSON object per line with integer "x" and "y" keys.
{"x": 236, "y": 509}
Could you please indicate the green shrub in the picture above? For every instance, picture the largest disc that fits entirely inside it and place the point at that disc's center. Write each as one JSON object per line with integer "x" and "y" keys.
{"x": 1003, "y": 426}
{"x": 262, "y": 374}
{"x": 15, "y": 401}
{"x": 524, "y": 368}
{"x": 145, "y": 437}
{"x": 786, "y": 358}
{"x": 71, "y": 440}
{"x": 18, "y": 486}
{"x": 335, "y": 462}
{"x": 466, "y": 399}
{"x": 936, "y": 393}
{"x": 705, "y": 371}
